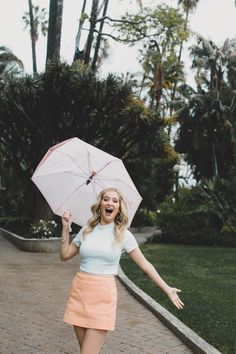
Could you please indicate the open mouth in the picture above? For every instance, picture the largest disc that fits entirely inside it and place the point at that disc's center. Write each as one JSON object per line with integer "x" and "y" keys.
{"x": 108, "y": 211}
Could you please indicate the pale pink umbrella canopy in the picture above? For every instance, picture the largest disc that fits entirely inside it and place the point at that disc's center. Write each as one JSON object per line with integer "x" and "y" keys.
{"x": 73, "y": 173}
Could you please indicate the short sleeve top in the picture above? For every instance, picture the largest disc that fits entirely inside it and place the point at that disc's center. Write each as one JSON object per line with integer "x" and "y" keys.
{"x": 98, "y": 253}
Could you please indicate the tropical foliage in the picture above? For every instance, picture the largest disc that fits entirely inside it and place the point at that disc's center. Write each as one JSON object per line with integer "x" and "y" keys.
{"x": 65, "y": 101}
{"x": 207, "y": 119}
{"x": 203, "y": 215}
{"x": 161, "y": 31}
{"x": 10, "y": 64}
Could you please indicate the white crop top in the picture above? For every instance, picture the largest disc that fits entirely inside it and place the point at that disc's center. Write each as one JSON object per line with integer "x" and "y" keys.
{"x": 98, "y": 255}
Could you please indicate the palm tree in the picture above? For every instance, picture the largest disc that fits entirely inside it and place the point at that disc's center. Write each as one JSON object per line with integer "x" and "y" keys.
{"x": 54, "y": 29}
{"x": 35, "y": 19}
{"x": 9, "y": 63}
{"x": 188, "y": 6}
{"x": 206, "y": 131}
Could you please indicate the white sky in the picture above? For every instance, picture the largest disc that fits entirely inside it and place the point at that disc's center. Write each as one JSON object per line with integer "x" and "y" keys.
{"x": 214, "y": 19}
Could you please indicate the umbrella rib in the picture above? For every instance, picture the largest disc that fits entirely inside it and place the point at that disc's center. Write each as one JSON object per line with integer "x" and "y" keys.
{"x": 69, "y": 196}
{"x": 89, "y": 162}
{"x": 108, "y": 163}
{"x": 74, "y": 161}
{"x": 66, "y": 172}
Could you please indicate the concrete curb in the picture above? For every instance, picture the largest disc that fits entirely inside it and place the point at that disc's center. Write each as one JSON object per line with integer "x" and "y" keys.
{"x": 33, "y": 244}
{"x": 189, "y": 337}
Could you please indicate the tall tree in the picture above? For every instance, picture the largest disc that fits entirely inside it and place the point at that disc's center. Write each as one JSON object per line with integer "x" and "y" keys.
{"x": 93, "y": 21}
{"x": 36, "y": 20}
{"x": 97, "y": 18}
{"x": 161, "y": 32}
{"x": 54, "y": 29}
{"x": 95, "y": 34}
{"x": 207, "y": 119}
{"x": 99, "y": 36}
{"x": 188, "y": 7}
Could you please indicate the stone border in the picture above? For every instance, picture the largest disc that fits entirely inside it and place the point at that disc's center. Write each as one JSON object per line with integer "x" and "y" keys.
{"x": 33, "y": 244}
{"x": 46, "y": 245}
{"x": 189, "y": 337}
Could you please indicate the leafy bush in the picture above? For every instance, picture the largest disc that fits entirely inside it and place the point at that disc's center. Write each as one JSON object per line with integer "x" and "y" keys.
{"x": 203, "y": 215}
{"x": 17, "y": 224}
{"x": 144, "y": 217}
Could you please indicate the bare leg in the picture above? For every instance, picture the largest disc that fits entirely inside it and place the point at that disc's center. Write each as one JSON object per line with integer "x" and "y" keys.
{"x": 93, "y": 341}
{"x": 80, "y": 332}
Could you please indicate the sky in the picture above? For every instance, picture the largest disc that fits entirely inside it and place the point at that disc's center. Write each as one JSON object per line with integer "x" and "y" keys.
{"x": 214, "y": 19}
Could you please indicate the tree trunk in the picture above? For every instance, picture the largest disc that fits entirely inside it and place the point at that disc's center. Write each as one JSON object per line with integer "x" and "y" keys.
{"x": 54, "y": 29}
{"x": 33, "y": 36}
{"x": 79, "y": 53}
{"x": 99, "y": 36}
{"x": 93, "y": 19}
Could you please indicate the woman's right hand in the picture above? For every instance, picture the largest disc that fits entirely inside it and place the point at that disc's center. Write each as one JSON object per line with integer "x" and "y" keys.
{"x": 67, "y": 219}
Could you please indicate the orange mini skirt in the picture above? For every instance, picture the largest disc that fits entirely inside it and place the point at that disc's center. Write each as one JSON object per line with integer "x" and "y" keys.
{"x": 92, "y": 302}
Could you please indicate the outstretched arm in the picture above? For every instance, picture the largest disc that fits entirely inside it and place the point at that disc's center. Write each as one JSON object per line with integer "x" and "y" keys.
{"x": 137, "y": 256}
{"x": 67, "y": 250}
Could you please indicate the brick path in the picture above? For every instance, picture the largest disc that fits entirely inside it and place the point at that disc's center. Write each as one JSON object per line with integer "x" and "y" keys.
{"x": 33, "y": 293}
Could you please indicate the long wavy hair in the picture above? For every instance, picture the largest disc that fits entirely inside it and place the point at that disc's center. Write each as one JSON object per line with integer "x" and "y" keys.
{"x": 121, "y": 219}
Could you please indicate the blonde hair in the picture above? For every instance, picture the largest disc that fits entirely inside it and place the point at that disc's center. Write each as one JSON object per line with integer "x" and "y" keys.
{"x": 121, "y": 219}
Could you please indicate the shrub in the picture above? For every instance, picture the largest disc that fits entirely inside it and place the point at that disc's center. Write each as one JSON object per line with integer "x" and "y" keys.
{"x": 16, "y": 224}
{"x": 144, "y": 217}
{"x": 195, "y": 218}
{"x": 44, "y": 229}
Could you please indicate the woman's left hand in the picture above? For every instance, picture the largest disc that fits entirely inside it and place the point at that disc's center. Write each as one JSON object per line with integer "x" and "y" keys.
{"x": 172, "y": 293}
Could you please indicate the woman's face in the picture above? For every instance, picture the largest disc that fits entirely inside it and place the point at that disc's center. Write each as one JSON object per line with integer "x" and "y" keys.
{"x": 110, "y": 204}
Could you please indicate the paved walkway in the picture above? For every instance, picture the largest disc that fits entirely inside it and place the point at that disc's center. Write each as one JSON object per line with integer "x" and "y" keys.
{"x": 33, "y": 293}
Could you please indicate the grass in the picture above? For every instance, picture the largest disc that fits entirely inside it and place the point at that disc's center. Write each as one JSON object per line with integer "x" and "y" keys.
{"x": 207, "y": 277}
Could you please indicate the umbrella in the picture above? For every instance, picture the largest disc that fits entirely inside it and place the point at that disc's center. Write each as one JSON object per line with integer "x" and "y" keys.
{"x": 72, "y": 174}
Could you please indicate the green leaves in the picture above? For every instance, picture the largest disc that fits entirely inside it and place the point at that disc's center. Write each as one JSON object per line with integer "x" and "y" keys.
{"x": 9, "y": 63}
{"x": 67, "y": 101}
{"x": 207, "y": 118}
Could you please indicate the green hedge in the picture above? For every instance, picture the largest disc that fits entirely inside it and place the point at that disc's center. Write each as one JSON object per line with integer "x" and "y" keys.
{"x": 16, "y": 224}
{"x": 196, "y": 218}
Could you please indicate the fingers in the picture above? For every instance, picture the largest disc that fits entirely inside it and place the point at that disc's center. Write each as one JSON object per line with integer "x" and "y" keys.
{"x": 67, "y": 215}
{"x": 180, "y": 304}
{"x": 177, "y": 302}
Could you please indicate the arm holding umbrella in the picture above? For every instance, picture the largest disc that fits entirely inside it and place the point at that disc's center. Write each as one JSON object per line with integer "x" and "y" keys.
{"x": 137, "y": 256}
{"x": 67, "y": 250}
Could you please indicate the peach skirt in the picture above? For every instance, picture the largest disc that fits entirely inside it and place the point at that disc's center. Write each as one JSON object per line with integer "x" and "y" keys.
{"x": 92, "y": 302}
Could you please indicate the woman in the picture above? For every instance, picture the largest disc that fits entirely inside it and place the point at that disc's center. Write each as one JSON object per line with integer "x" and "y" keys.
{"x": 91, "y": 307}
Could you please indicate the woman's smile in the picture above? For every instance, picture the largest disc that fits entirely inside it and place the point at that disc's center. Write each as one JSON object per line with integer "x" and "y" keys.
{"x": 109, "y": 207}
